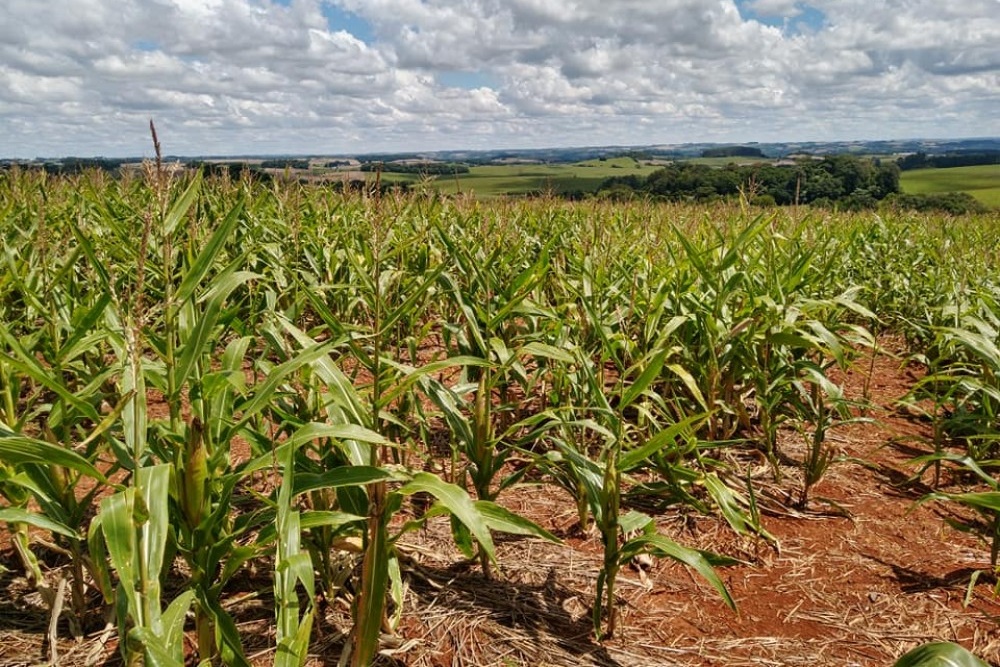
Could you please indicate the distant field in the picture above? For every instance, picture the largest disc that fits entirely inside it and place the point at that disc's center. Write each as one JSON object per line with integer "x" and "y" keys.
{"x": 517, "y": 179}
{"x": 982, "y": 182}
{"x": 525, "y": 178}
{"x": 726, "y": 161}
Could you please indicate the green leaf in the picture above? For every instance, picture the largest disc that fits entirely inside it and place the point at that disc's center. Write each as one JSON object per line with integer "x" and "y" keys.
{"x": 200, "y": 341}
{"x": 17, "y": 449}
{"x": 18, "y": 515}
{"x": 157, "y": 653}
{"x": 661, "y": 545}
{"x": 646, "y": 378}
{"x": 27, "y": 363}
{"x": 154, "y": 484}
{"x": 341, "y": 389}
{"x": 459, "y": 533}
{"x": 315, "y": 519}
{"x": 173, "y": 623}
{"x": 231, "y": 647}
{"x": 206, "y": 259}
{"x": 588, "y": 474}
{"x": 84, "y": 337}
{"x": 314, "y": 431}
{"x": 544, "y": 351}
{"x": 414, "y": 375}
{"x": 668, "y": 436}
{"x": 97, "y": 547}
{"x": 339, "y": 477}
{"x": 120, "y": 537}
{"x": 458, "y": 502}
{"x": 731, "y": 505}
{"x": 501, "y": 519}
{"x": 265, "y": 391}
{"x": 984, "y": 500}
{"x": 415, "y": 294}
{"x": 181, "y": 206}
{"x": 634, "y": 521}
{"x": 371, "y": 596}
{"x": 689, "y": 382}
{"x": 939, "y": 654}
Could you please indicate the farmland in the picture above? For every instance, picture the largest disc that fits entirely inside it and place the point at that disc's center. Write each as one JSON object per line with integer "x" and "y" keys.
{"x": 982, "y": 182}
{"x": 519, "y": 179}
{"x": 271, "y": 423}
{"x": 527, "y": 178}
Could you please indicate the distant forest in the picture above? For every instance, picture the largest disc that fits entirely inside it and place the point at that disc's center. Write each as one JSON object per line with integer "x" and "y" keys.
{"x": 733, "y": 151}
{"x": 422, "y": 168}
{"x": 845, "y": 180}
{"x": 921, "y": 160}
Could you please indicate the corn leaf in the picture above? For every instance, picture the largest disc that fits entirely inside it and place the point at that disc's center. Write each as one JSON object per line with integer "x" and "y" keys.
{"x": 19, "y": 515}
{"x": 939, "y": 654}
{"x": 650, "y": 373}
{"x": 458, "y": 502}
{"x": 661, "y": 545}
{"x": 206, "y": 259}
{"x": 182, "y": 205}
{"x": 17, "y": 449}
{"x": 501, "y": 519}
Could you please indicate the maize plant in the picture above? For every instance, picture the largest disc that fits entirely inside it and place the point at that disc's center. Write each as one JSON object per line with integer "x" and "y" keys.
{"x": 204, "y": 376}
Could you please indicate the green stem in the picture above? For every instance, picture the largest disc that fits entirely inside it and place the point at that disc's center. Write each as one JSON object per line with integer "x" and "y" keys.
{"x": 205, "y": 629}
{"x": 7, "y": 386}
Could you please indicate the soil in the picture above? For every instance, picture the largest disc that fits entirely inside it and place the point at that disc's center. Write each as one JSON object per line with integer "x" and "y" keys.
{"x": 858, "y": 577}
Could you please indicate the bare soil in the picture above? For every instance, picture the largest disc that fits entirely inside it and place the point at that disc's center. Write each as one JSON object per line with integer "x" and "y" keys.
{"x": 858, "y": 577}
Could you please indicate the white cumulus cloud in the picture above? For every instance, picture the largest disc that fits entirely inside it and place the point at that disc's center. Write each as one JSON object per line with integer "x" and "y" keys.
{"x": 83, "y": 77}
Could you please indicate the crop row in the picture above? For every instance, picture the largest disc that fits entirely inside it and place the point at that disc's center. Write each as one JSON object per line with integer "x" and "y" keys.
{"x": 221, "y": 373}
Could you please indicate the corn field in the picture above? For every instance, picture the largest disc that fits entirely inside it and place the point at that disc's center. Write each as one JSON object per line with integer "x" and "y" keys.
{"x": 201, "y": 377}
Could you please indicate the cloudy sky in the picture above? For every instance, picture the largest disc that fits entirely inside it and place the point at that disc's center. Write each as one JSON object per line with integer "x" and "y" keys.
{"x": 83, "y": 77}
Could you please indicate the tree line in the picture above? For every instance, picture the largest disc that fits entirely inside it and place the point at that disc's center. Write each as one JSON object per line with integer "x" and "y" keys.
{"x": 921, "y": 160}
{"x": 425, "y": 168}
{"x": 844, "y": 180}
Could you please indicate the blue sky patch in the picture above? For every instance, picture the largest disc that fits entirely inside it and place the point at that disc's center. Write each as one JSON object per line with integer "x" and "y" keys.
{"x": 466, "y": 80}
{"x": 147, "y": 45}
{"x": 341, "y": 19}
{"x": 809, "y": 19}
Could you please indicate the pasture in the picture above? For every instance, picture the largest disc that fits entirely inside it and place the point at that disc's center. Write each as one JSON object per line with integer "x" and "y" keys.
{"x": 982, "y": 182}
{"x": 519, "y": 179}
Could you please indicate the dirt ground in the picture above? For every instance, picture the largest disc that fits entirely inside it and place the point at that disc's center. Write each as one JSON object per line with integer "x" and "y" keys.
{"x": 857, "y": 579}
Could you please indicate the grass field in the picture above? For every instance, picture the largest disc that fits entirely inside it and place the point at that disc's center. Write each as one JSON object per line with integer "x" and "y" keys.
{"x": 528, "y": 178}
{"x": 520, "y": 179}
{"x": 982, "y": 182}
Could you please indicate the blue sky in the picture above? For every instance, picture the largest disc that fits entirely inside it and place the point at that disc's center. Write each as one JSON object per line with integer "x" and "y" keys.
{"x": 83, "y": 77}
{"x": 341, "y": 19}
{"x": 802, "y": 17}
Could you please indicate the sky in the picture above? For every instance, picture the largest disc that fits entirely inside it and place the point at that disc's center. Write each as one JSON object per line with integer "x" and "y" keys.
{"x": 332, "y": 77}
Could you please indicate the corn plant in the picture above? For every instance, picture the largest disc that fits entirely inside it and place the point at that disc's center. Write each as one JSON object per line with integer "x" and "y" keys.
{"x": 55, "y": 383}
{"x": 599, "y": 481}
{"x": 184, "y": 330}
{"x": 963, "y": 384}
{"x": 135, "y": 525}
{"x": 335, "y": 334}
{"x": 347, "y": 427}
{"x": 495, "y": 311}
{"x": 985, "y": 503}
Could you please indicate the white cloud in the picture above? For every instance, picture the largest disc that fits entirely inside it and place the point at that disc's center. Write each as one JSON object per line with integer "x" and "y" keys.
{"x": 786, "y": 8}
{"x": 239, "y": 76}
